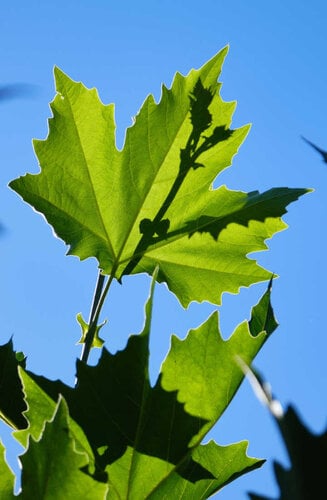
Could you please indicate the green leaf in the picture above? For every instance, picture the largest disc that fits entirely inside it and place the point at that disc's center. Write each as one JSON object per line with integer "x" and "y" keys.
{"x": 149, "y": 438}
{"x": 207, "y": 365}
{"x": 152, "y": 203}
{"x": 40, "y": 409}
{"x": 53, "y": 468}
{"x": 12, "y": 404}
{"x": 97, "y": 341}
{"x": 224, "y": 463}
{"x": 116, "y": 406}
{"x": 262, "y": 317}
{"x": 7, "y": 477}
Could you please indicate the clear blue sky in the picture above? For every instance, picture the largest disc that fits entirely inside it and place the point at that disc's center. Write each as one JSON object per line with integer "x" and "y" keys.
{"x": 276, "y": 70}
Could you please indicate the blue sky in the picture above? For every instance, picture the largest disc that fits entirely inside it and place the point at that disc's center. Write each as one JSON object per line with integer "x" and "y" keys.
{"x": 276, "y": 70}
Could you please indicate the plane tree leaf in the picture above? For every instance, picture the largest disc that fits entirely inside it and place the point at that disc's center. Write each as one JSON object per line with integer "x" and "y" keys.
{"x": 53, "y": 468}
{"x": 149, "y": 438}
{"x": 199, "y": 353}
{"x": 97, "y": 341}
{"x": 153, "y": 202}
{"x": 40, "y": 409}
{"x": 212, "y": 456}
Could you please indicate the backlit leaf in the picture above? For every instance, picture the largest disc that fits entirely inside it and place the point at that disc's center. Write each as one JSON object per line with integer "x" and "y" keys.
{"x": 148, "y": 439}
{"x": 153, "y": 202}
{"x": 7, "y": 478}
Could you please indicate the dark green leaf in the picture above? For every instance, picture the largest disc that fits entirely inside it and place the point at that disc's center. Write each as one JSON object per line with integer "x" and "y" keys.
{"x": 307, "y": 477}
{"x": 12, "y": 404}
{"x": 262, "y": 315}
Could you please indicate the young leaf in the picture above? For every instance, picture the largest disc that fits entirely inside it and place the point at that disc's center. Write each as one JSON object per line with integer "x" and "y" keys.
{"x": 149, "y": 438}
{"x": 52, "y": 467}
{"x": 12, "y": 404}
{"x": 153, "y": 203}
{"x": 7, "y": 477}
{"x": 97, "y": 341}
{"x": 262, "y": 315}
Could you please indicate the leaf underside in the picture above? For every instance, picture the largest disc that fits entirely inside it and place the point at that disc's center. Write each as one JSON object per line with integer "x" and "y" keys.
{"x": 52, "y": 467}
{"x": 7, "y": 478}
{"x": 153, "y": 202}
{"x": 150, "y": 206}
{"x": 132, "y": 428}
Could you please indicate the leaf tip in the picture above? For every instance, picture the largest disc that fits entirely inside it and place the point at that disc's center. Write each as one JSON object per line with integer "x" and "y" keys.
{"x": 58, "y": 73}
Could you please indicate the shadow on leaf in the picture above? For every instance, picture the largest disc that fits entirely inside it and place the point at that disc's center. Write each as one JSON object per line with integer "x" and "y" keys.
{"x": 116, "y": 407}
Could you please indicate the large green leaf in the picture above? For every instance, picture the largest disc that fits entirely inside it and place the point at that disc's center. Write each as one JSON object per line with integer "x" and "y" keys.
{"x": 149, "y": 439}
{"x": 153, "y": 203}
{"x": 52, "y": 467}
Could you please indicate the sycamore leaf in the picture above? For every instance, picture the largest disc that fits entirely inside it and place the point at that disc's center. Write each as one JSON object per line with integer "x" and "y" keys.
{"x": 97, "y": 341}
{"x": 213, "y": 363}
{"x": 7, "y": 478}
{"x": 52, "y": 467}
{"x": 12, "y": 404}
{"x": 153, "y": 203}
{"x": 224, "y": 463}
{"x": 40, "y": 409}
{"x": 147, "y": 438}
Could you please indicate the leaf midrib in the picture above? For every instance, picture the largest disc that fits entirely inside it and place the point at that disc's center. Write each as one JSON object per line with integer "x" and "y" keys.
{"x": 137, "y": 213}
{"x": 90, "y": 179}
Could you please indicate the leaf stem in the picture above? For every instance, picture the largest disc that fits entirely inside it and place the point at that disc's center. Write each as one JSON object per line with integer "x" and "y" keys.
{"x": 100, "y": 293}
{"x": 156, "y": 229}
{"x": 99, "y": 296}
